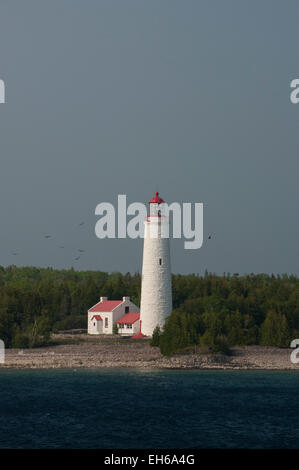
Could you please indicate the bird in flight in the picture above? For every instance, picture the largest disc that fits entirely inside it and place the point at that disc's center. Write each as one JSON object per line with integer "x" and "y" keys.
{"x": 209, "y": 237}
{"x": 14, "y": 253}
{"x": 82, "y": 223}
{"x": 61, "y": 247}
{"x": 78, "y": 257}
{"x": 47, "y": 236}
{"x": 81, "y": 251}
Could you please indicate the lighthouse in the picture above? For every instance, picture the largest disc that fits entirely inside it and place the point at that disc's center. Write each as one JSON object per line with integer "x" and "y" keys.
{"x": 156, "y": 296}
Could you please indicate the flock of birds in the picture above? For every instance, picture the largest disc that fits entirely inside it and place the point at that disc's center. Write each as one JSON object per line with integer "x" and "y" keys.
{"x": 16, "y": 253}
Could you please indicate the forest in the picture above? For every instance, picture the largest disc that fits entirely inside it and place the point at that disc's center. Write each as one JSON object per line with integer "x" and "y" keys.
{"x": 211, "y": 311}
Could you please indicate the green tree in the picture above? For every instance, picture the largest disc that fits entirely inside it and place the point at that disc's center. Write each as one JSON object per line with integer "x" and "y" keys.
{"x": 20, "y": 340}
{"x": 155, "y": 341}
{"x": 274, "y": 330}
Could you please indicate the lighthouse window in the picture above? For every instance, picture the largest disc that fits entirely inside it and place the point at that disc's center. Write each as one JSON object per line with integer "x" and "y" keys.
{"x": 160, "y": 261}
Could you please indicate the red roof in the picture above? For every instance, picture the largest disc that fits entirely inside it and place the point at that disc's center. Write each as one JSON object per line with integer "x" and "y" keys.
{"x": 129, "y": 318}
{"x": 156, "y": 199}
{"x": 97, "y": 317}
{"x": 105, "y": 306}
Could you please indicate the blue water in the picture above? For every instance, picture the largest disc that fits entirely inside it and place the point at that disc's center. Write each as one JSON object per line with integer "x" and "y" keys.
{"x": 155, "y": 409}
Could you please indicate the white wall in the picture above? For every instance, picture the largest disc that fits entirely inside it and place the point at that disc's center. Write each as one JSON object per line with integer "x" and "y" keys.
{"x": 136, "y": 327}
{"x": 95, "y": 327}
{"x": 130, "y": 331}
{"x": 156, "y": 295}
{"x": 120, "y": 310}
{"x": 91, "y": 330}
{"x": 113, "y": 316}
{"x": 107, "y": 330}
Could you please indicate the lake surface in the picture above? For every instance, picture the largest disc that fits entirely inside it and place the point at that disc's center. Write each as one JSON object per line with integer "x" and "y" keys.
{"x": 148, "y": 409}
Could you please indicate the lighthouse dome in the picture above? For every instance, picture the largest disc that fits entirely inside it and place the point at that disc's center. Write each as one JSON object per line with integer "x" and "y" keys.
{"x": 156, "y": 199}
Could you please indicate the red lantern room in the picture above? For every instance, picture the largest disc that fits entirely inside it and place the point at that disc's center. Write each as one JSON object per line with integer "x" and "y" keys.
{"x": 156, "y": 199}
{"x": 154, "y": 205}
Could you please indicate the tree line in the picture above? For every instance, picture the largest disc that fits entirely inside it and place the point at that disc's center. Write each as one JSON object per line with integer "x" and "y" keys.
{"x": 218, "y": 312}
{"x": 34, "y": 302}
{"x": 210, "y": 311}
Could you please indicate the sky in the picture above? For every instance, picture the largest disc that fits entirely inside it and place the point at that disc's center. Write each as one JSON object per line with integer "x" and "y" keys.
{"x": 188, "y": 98}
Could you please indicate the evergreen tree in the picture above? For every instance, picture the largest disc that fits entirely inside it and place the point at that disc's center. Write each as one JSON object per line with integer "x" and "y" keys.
{"x": 156, "y": 336}
{"x": 274, "y": 330}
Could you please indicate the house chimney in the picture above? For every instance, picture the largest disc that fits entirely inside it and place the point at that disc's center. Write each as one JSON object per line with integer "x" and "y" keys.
{"x": 126, "y": 298}
{"x": 102, "y": 299}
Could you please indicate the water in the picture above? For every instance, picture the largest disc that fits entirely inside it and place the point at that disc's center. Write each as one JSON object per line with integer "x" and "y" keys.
{"x": 152, "y": 409}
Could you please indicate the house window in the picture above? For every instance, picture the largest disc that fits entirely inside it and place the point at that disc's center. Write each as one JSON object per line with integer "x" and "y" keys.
{"x": 106, "y": 322}
{"x": 160, "y": 261}
{"x": 127, "y": 309}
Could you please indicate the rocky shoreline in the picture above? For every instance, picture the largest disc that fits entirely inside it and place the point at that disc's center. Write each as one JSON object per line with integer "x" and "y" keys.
{"x": 82, "y": 351}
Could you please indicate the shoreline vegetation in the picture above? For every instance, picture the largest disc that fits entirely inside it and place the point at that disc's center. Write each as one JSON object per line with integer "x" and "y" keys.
{"x": 74, "y": 351}
{"x": 214, "y": 317}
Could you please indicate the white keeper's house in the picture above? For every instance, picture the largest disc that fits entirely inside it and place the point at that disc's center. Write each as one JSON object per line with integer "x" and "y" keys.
{"x": 103, "y": 315}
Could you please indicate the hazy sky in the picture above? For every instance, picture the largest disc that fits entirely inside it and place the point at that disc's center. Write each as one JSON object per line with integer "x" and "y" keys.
{"x": 111, "y": 97}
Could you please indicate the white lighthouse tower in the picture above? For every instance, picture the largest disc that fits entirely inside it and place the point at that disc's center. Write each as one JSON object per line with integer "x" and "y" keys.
{"x": 156, "y": 296}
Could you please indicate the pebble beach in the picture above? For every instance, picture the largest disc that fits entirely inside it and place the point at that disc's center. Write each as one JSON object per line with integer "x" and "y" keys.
{"x": 83, "y": 351}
